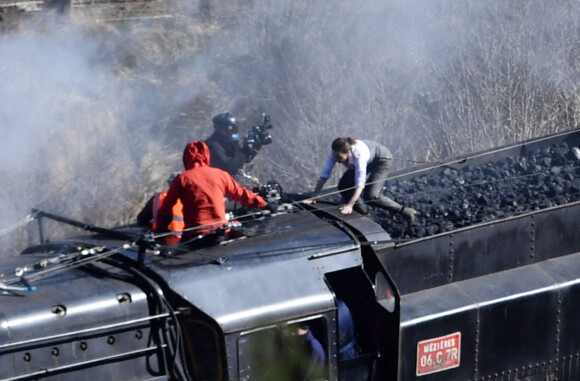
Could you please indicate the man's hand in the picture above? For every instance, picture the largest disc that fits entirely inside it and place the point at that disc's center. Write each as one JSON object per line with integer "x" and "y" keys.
{"x": 345, "y": 209}
{"x": 309, "y": 201}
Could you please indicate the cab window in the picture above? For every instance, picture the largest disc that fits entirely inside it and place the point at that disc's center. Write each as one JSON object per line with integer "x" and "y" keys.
{"x": 203, "y": 349}
{"x": 290, "y": 351}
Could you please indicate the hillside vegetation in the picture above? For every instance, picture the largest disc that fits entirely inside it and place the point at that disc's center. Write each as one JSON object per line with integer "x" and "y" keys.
{"x": 95, "y": 113}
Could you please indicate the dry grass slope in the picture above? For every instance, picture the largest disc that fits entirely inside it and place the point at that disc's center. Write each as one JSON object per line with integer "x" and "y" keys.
{"x": 432, "y": 81}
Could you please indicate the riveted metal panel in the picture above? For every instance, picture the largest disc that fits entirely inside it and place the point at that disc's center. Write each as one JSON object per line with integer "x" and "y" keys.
{"x": 72, "y": 323}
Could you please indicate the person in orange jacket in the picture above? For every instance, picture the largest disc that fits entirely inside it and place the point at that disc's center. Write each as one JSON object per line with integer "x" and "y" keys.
{"x": 148, "y": 217}
{"x": 202, "y": 190}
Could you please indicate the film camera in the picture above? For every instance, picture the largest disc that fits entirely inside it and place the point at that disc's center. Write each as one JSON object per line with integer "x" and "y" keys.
{"x": 258, "y": 136}
{"x": 271, "y": 192}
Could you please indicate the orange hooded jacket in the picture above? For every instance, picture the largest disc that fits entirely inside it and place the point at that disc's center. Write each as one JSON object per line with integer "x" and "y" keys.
{"x": 202, "y": 190}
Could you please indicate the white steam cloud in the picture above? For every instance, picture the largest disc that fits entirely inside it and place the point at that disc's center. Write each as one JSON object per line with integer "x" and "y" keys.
{"x": 94, "y": 117}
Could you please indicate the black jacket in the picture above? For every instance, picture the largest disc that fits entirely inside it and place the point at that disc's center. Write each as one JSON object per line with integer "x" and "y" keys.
{"x": 227, "y": 154}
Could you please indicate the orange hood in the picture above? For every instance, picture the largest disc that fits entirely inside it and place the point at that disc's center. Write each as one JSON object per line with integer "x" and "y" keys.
{"x": 196, "y": 154}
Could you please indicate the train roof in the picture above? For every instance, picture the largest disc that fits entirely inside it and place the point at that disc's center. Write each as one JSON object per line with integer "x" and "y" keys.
{"x": 274, "y": 272}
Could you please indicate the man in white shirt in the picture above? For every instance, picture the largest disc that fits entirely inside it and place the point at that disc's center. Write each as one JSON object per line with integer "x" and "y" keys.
{"x": 369, "y": 164}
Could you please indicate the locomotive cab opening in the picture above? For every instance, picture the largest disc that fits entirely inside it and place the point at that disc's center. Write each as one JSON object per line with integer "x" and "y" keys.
{"x": 367, "y": 323}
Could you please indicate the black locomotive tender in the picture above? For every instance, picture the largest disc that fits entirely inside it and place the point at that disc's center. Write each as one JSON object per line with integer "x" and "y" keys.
{"x": 498, "y": 300}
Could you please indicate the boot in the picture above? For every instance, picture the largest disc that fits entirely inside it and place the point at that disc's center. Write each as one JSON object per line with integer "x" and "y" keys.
{"x": 409, "y": 214}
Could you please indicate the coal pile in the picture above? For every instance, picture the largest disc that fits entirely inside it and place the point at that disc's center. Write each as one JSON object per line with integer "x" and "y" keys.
{"x": 453, "y": 199}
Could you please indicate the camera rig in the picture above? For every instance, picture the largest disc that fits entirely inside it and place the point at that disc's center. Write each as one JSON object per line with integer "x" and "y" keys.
{"x": 257, "y": 137}
{"x": 271, "y": 192}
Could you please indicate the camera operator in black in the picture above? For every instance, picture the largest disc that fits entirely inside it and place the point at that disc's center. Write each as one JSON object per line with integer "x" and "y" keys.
{"x": 226, "y": 152}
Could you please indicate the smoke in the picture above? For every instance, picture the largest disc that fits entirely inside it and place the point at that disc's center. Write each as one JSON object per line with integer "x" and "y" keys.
{"x": 44, "y": 77}
{"x": 94, "y": 116}
{"x": 70, "y": 133}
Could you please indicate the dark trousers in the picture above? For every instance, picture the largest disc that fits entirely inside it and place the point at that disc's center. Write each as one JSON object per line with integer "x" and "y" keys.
{"x": 377, "y": 174}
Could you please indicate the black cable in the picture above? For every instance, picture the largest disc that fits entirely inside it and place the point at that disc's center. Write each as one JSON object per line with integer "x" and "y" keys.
{"x": 171, "y": 342}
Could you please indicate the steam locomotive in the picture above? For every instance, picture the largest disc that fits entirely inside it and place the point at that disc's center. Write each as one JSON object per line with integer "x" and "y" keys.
{"x": 499, "y": 300}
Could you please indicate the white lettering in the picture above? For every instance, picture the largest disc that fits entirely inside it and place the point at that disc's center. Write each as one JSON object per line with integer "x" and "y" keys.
{"x": 438, "y": 354}
{"x": 452, "y": 354}
{"x": 439, "y": 345}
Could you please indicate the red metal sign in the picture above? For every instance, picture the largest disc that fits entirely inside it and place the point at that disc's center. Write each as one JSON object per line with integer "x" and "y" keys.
{"x": 438, "y": 354}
